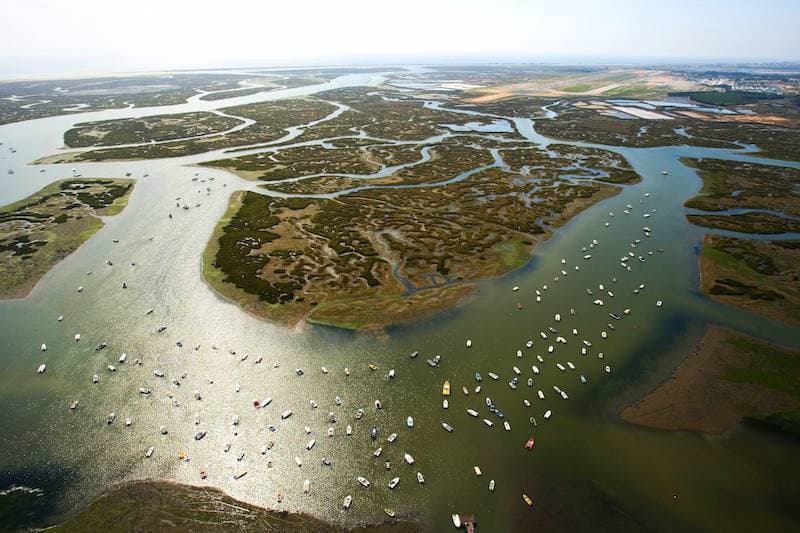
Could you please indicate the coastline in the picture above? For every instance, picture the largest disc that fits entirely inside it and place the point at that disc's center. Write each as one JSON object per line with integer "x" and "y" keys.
{"x": 150, "y": 505}
{"x": 722, "y": 382}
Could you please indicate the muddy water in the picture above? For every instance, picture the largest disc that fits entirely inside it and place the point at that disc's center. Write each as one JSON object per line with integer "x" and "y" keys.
{"x": 588, "y": 468}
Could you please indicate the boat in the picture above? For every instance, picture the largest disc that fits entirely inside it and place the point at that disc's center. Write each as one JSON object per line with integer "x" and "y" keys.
{"x": 527, "y": 500}
{"x": 410, "y": 422}
{"x": 456, "y": 521}
{"x": 515, "y": 288}
{"x": 313, "y": 404}
{"x": 445, "y": 404}
{"x": 420, "y": 478}
{"x": 310, "y": 444}
{"x": 77, "y": 337}
{"x": 373, "y": 433}
{"x": 390, "y": 512}
{"x": 478, "y": 389}
{"x": 472, "y": 412}
{"x": 363, "y": 481}
{"x": 348, "y": 500}
{"x": 469, "y": 343}
{"x": 149, "y": 452}
{"x": 74, "y": 404}
{"x": 408, "y": 459}
{"x": 477, "y": 470}
{"x": 494, "y": 376}
{"x": 488, "y": 422}
{"x": 447, "y": 427}
{"x": 548, "y": 414}
{"x": 506, "y": 425}
{"x": 359, "y": 414}
{"x": 378, "y": 452}
{"x": 391, "y": 374}
{"x": 465, "y": 391}
{"x": 517, "y": 371}
{"x": 285, "y": 415}
{"x": 664, "y": 172}
{"x": 95, "y": 378}
{"x": 530, "y": 443}
{"x": 373, "y": 366}
{"x": 491, "y": 485}
{"x": 393, "y": 483}
{"x": 349, "y": 430}
{"x": 44, "y": 347}
{"x": 414, "y": 354}
{"x": 158, "y": 373}
{"x": 298, "y": 461}
{"x": 392, "y": 438}
{"x": 378, "y": 405}
{"x": 306, "y": 486}
{"x": 446, "y": 389}
{"x": 110, "y": 418}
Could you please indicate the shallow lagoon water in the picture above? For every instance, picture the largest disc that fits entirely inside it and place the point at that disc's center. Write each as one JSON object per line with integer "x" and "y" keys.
{"x": 588, "y": 468}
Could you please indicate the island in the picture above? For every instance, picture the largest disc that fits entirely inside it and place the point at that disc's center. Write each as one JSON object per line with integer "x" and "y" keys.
{"x": 41, "y": 230}
{"x": 728, "y": 378}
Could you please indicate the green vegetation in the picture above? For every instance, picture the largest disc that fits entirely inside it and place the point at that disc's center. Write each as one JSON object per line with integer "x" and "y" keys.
{"x": 579, "y": 88}
{"x": 39, "y": 231}
{"x": 339, "y": 261}
{"x": 726, "y": 98}
{"x": 147, "y": 129}
{"x": 760, "y": 276}
{"x": 734, "y": 184}
{"x": 271, "y": 121}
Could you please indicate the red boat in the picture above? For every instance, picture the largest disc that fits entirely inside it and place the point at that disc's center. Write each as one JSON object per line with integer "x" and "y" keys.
{"x": 530, "y": 443}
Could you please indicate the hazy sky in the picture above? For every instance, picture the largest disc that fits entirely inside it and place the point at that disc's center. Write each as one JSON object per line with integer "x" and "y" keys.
{"x": 44, "y": 37}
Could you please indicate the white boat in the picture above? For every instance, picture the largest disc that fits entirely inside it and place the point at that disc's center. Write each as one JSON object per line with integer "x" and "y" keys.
{"x": 306, "y": 486}
{"x": 659, "y": 303}
{"x": 517, "y": 371}
{"x": 491, "y": 485}
{"x": 77, "y": 337}
{"x": 548, "y": 414}
{"x": 410, "y": 422}
{"x": 349, "y": 430}
{"x": 74, "y": 404}
{"x": 285, "y": 415}
{"x": 408, "y": 459}
{"x": 391, "y": 374}
{"x": 506, "y": 425}
{"x": 149, "y": 452}
{"x": 420, "y": 478}
{"x": 477, "y": 470}
{"x": 298, "y": 461}
{"x": 488, "y": 422}
{"x": 60, "y": 318}
{"x": 392, "y": 437}
{"x": 330, "y": 432}
{"x": 123, "y": 357}
{"x": 535, "y": 369}
{"x": 41, "y": 369}
{"x": 393, "y": 483}
{"x": 44, "y": 347}
{"x": 472, "y": 412}
{"x": 447, "y": 427}
{"x": 456, "y": 521}
{"x": 363, "y": 481}
{"x": 348, "y": 500}
{"x": 323, "y": 369}
{"x": 378, "y": 452}
{"x": 515, "y": 288}
{"x": 493, "y": 376}
{"x": 310, "y": 444}
{"x": 469, "y": 343}
{"x": 445, "y": 404}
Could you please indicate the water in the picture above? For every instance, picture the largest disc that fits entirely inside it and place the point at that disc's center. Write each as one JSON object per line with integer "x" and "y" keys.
{"x": 588, "y": 468}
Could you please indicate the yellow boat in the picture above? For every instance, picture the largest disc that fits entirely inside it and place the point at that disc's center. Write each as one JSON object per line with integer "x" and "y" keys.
{"x": 527, "y": 500}
{"x": 373, "y": 366}
{"x": 446, "y": 389}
